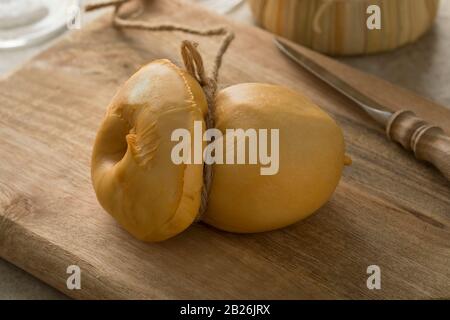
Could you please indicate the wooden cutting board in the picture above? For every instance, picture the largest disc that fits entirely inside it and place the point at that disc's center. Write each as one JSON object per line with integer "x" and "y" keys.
{"x": 389, "y": 209}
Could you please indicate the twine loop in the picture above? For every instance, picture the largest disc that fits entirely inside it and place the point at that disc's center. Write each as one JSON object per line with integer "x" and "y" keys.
{"x": 194, "y": 65}
{"x": 193, "y": 61}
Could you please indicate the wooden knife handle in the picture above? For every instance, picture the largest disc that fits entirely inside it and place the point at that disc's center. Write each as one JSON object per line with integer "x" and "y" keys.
{"x": 429, "y": 143}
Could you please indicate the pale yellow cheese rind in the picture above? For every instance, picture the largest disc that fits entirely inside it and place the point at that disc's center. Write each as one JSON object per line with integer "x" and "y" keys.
{"x": 311, "y": 159}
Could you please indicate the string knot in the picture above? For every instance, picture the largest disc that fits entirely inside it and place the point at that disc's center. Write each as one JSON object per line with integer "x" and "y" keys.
{"x": 193, "y": 63}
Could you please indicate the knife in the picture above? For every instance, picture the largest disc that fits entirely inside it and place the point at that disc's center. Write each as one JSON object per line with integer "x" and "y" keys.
{"x": 427, "y": 142}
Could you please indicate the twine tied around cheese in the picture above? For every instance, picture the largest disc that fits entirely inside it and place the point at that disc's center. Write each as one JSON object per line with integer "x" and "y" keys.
{"x": 193, "y": 63}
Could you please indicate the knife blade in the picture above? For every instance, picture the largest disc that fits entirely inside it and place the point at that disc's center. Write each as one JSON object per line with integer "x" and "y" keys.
{"x": 428, "y": 142}
{"x": 370, "y": 106}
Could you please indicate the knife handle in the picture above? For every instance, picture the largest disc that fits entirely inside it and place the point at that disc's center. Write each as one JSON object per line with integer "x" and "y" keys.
{"x": 428, "y": 142}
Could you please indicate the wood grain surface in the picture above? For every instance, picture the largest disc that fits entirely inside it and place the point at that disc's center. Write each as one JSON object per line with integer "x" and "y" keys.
{"x": 389, "y": 209}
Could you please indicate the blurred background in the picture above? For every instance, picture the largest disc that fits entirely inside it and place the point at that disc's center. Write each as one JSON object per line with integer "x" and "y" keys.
{"x": 28, "y": 27}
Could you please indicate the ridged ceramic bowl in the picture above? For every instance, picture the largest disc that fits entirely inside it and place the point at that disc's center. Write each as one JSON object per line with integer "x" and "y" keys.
{"x": 339, "y": 27}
